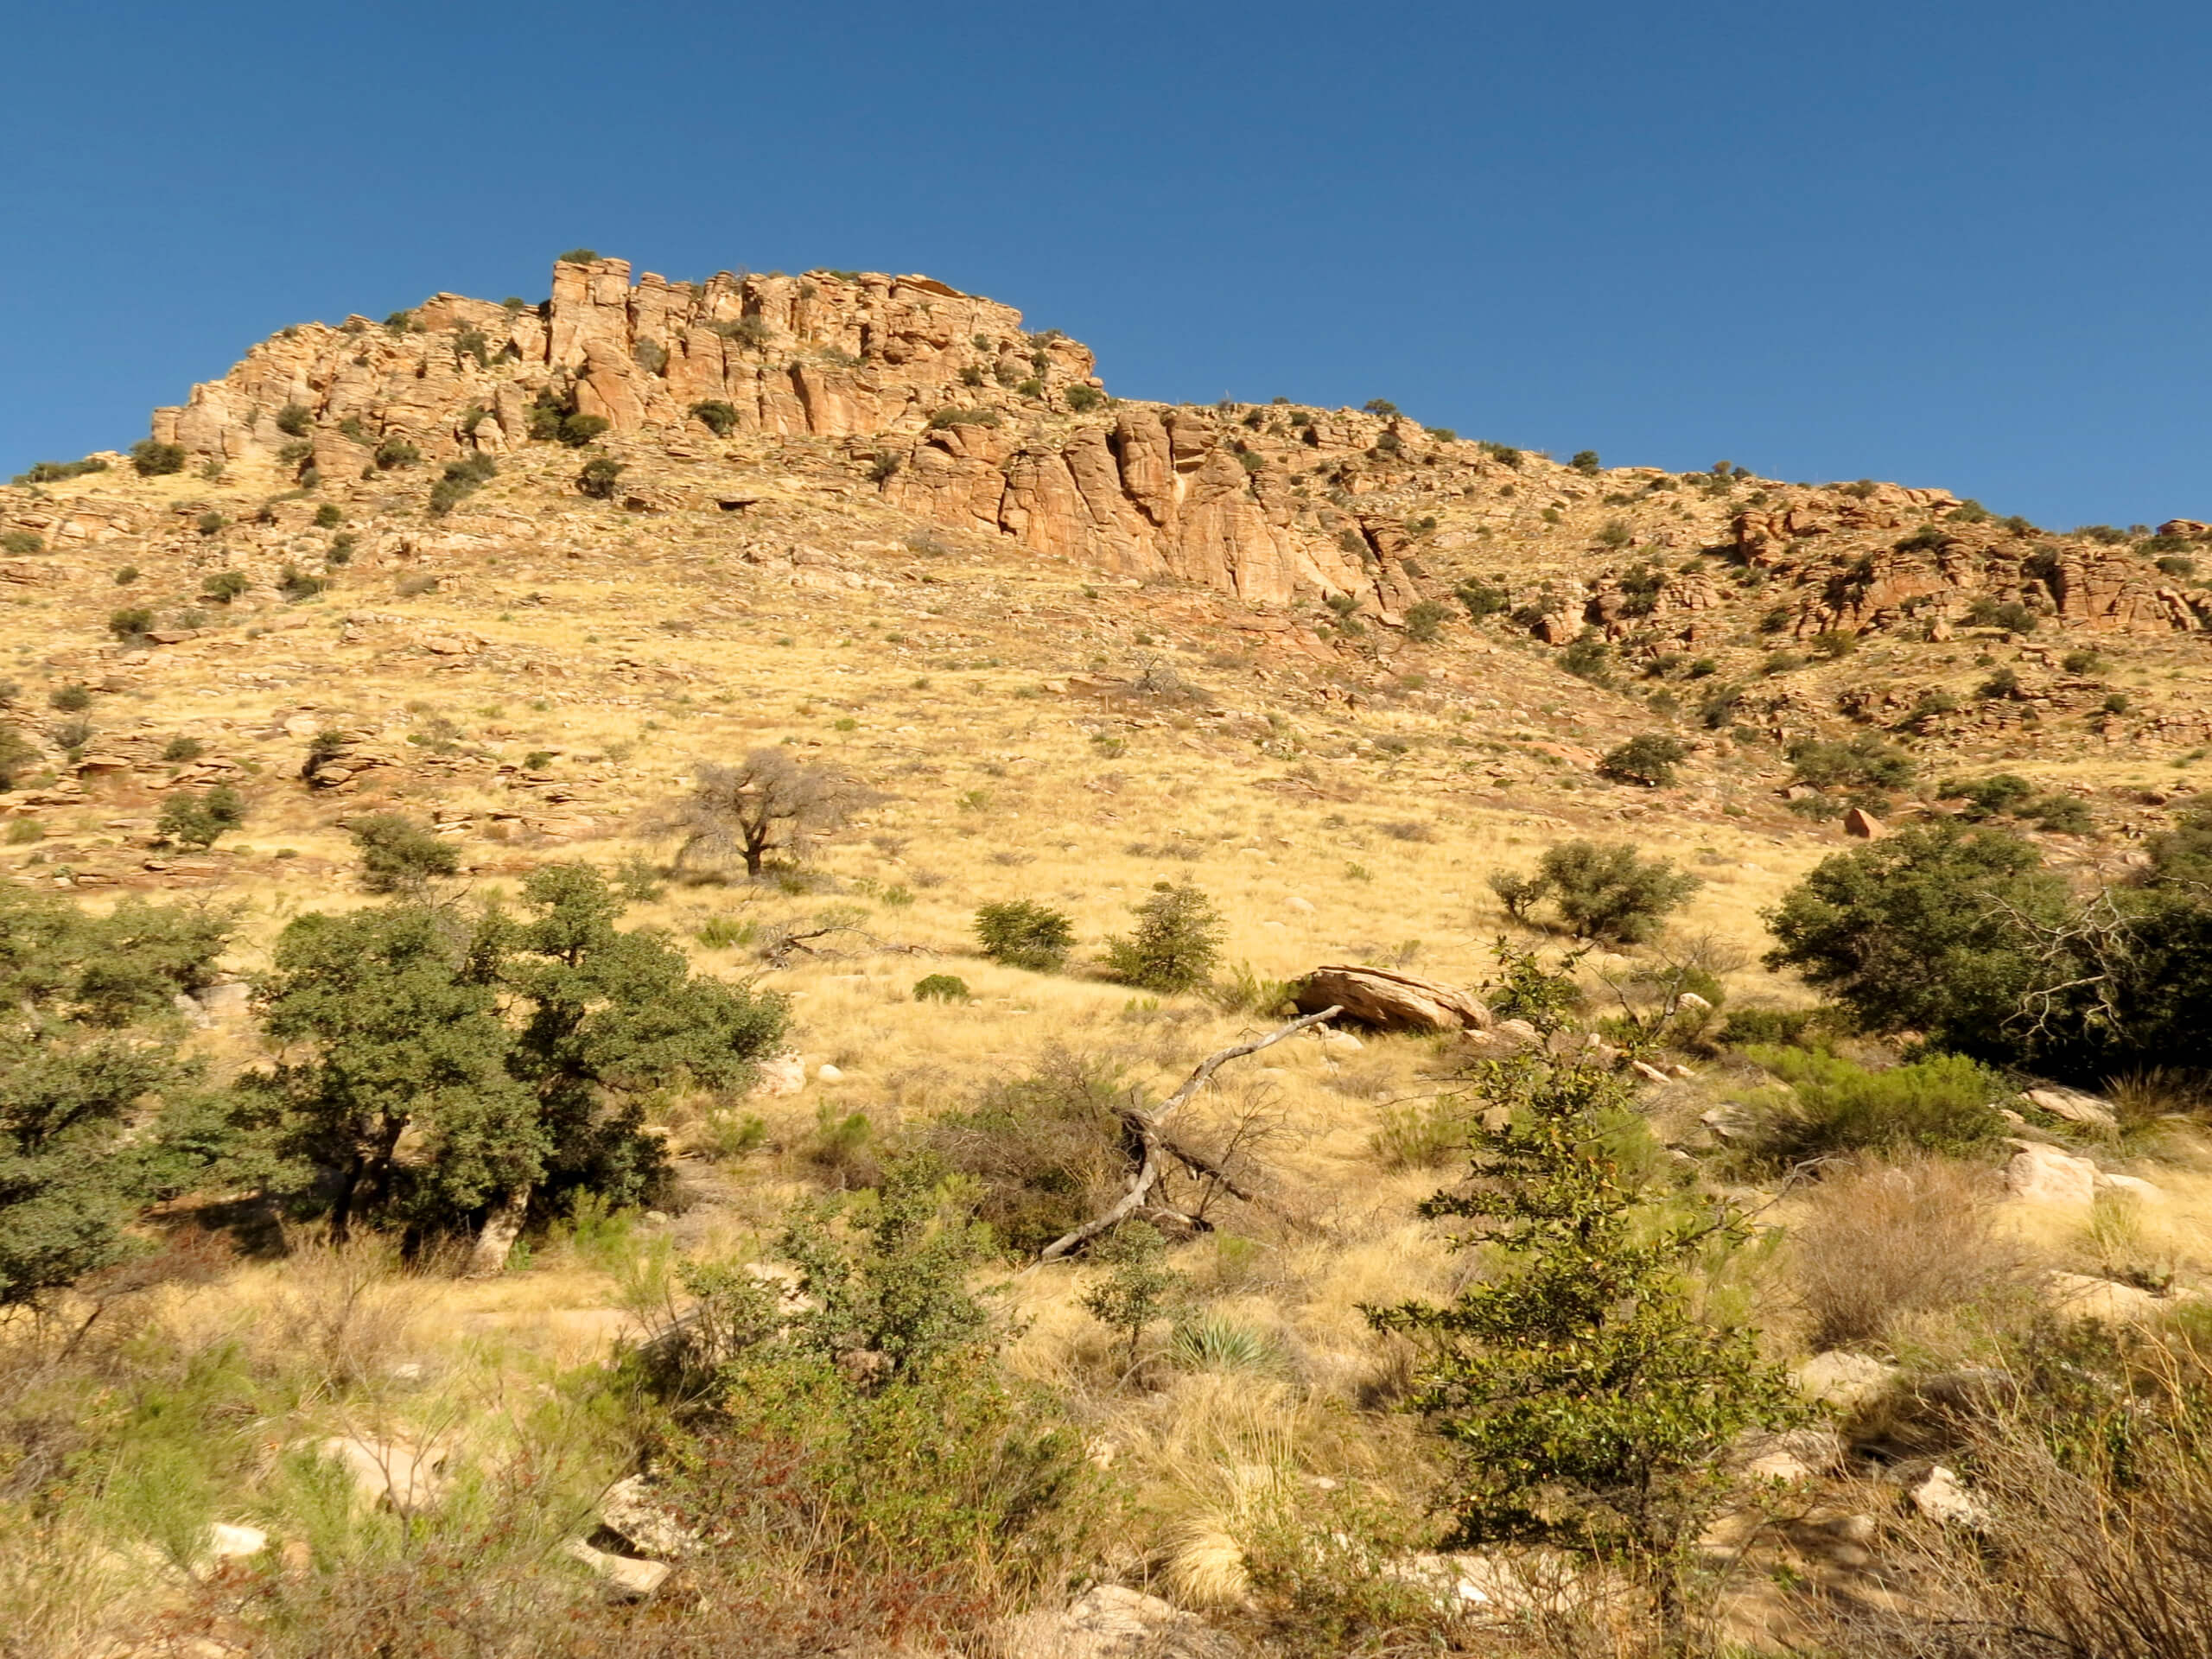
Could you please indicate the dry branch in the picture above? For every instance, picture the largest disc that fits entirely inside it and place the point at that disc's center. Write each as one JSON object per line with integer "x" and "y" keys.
{"x": 1146, "y": 1125}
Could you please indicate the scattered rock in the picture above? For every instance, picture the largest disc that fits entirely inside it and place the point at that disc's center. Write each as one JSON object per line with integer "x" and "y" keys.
{"x": 2043, "y": 1174}
{"x": 2106, "y": 1300}
{"x": 1110, "y": 1621}
{"x": 1942, "y": 1497}
{"x": 1795, "y": 1454}
{"x": 1694, "y": 1002}
{"x": 632, "y": 1513}
{"x": 624, "y": 1574}
{"x": 2133, "y": 1186}
{"x": 1391, "y": 1001}
{"x": 1862, "y": 823}
{"x": 1340, "y": 1042}
{"x": 1648, "y": 1071}
{"x": 826, "y": 1073}
{"x": 785, "y": 1075}
{"x": 1302, "y": 906}
{"x": 2073, "y": 1106}
{"x": 390, "y": 1474}
{"x": 228, "y": 1542}
{"x": 1843, "y": 1380}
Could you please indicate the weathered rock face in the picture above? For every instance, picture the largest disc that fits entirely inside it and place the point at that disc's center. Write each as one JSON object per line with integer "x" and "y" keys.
{"x": 1137, "y": 490}
{"x": 1385, "y": 1000}
{"x": 823, "y": 355}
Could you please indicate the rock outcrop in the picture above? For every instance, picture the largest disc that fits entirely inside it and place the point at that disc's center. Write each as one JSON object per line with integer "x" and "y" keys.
{"x": 976, "y": 422}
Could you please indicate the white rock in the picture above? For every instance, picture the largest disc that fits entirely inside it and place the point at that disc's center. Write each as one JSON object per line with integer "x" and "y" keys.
{"x": 2073, "y": 1107}
{"x": 1694, "y": 1002}
{"x": 1303, "y": 906}
{"x": 1842, "y": 1380}
{"x": 1518, "y": 1030}
{"x": 2106, "y": 1300}
{"x": 785, "y": 1075}
{"x": 2044, "y": 1174}
{"x": 1942, "y": 1497}
{"x": 1340, "y": 1042}
{"x": 625, "y": 1573}
{"x": 631, "y": 1509}
{"x": 1793, "y": 1455}
{"x": 392, "y": 1474}
{"x": 826, "y": 1073}
{"x": 2133, "y": 1186}
{"x": 1649, "y": 1072}
{"x": 228, "y": 1542}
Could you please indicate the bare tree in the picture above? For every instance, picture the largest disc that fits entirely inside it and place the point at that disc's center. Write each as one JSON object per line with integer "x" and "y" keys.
{"x": 768, "y": 803}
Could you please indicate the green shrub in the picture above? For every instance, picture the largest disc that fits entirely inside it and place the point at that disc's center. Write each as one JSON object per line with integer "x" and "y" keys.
{"x": 1921, "y": 931}
{"x": 598, "y": 476}
{"x": 179, "y": 750}
{"x": 941, "y": 987}
{"x": 1043, "y": 1150}
{"x": 22, "y": 542}
{"x": 126, "y": 575}
{"x": 326, "y": 516}
{"x": 1865, "y": 761}
{"x": 1648, "y": 758}
{"x": 1083, "y": 399}
{"x": 2008, "y": 615}
{"x": 750, "y": 331}
{"x": 100, "y": 1114}
{"x": 577, "y": 256}
{"x": 132, "y": 622}
{"x": 1138, "y": 1288}
{"x": 296, "y": 420}
{"x": 1588, "y": 658}
{"x": 577, "y": 430}
{"x": 1176, "y": 943}
{"x": 1609, "y": 893}
{"x": 396, "y": 452}
{"x": 1587, "y": 1390}
{"x": 54, "y": 471}
{"x": 18, "y": 756}
{"x": 718, "y": 417}
{"x": 1024, "y": 934}
{"x": 72, "y": 698}
{"x": 1585, "y": 461}
{"x": 949, "y": 417}
{"x": 296, "y": 584}
{"x": 399, "y": 854}
{"x": 1945, "y": 1103}
{"x": 209, "y": 524}
{"x": 199, "y": 820}
{"x": 223, "y": 585}
{"x": 152, "y": 459}
{"x": 1482, "y": 600}
{"x": 1425, "y": 621}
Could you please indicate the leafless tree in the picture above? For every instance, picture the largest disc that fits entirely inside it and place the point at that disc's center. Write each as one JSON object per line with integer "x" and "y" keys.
{"x": 767, "y": 803}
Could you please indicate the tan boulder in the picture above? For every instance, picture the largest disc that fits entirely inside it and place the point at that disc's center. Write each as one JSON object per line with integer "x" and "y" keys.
{"x": 2073, "y": 1106}
{"x": 1862, "y": 823}
{"x": 2044, "y": 1174}
{"x": 1391, "y": 1001}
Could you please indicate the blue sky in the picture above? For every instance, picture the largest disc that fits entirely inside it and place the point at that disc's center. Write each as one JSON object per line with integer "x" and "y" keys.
{"x": 1953, "y": 243}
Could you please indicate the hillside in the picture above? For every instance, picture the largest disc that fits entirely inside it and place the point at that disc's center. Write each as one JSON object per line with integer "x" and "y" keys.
{"x": 519, "y": 570}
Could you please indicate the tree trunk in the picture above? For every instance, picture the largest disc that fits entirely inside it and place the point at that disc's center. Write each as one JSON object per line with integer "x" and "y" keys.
{"x": 341, "y": 1210}
{"x": 489, "y": 1258}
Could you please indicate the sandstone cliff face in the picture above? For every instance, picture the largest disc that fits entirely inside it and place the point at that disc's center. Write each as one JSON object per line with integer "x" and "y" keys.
{"x": 1136, "y": 490}
{"x": 822, "y": 356}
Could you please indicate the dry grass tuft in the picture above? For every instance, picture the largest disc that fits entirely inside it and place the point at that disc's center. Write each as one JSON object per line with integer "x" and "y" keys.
{"x": 1881, "y": 1240}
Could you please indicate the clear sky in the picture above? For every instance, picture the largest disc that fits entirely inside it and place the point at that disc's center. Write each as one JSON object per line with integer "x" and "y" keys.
{"x": 1951, "y": 242}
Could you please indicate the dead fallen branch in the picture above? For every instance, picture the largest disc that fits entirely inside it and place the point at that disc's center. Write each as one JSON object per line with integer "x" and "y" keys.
{"x": 1155, "y": 1151}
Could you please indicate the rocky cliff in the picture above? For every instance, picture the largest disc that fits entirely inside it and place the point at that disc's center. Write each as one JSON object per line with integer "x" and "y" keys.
{"x": 977, "y": 423}
{"x": 949, "y": 410}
